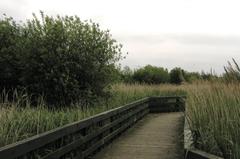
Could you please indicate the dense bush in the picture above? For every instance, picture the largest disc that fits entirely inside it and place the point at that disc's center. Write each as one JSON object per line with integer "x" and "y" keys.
{"x": 62, "y": 58}
{"x": 176, "y": 76}
{"x": 10, "y": 42}
{"x": 151, "y": 75}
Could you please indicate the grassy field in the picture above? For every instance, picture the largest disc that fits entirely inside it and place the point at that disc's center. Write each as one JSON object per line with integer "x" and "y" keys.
{"x": 213, "y": 112}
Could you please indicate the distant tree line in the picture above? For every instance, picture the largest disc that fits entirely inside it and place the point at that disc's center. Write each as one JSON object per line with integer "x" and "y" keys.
{"x": 156, "y": 75}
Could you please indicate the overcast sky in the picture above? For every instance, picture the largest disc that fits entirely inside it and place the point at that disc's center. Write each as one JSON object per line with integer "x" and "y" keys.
{"x": 193, "y": 34}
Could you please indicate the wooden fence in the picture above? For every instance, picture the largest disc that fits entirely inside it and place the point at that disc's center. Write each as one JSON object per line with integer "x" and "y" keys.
{"x": 82, "y": 139}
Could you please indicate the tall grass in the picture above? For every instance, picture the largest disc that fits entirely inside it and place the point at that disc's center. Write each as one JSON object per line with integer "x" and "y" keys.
{"x": 17, "y": 122}
{"x": 214, "y": 115}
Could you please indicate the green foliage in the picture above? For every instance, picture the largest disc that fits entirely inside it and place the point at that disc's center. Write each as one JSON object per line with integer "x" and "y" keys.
{"x": 63, "y": 58}
{"x": 176, "y": 76}
{"x": 126, "y": 75}
{"x": 10, "y": 42}
{"x": 151, "y": 75}
{"x": 191, "y": 76}
{"x": 155, "y": 75}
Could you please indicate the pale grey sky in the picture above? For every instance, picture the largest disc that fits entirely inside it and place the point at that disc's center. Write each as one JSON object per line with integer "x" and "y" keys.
{"x": 193, "y": 34}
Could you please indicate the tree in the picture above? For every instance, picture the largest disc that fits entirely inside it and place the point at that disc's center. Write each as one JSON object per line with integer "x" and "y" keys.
{"x": 62, "y": 58}
{"x": 151, "y": 75}
{"x": 176, "y": 76}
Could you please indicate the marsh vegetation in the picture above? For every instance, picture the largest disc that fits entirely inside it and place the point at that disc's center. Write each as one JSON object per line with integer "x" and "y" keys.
{"x": 55, "y": 71}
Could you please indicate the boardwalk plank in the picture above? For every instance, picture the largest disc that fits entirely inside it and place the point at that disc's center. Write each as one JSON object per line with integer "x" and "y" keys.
{"x": 157, "y": 136}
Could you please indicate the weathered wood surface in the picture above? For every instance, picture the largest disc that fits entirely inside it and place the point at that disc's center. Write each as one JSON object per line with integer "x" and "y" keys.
{"x": 157, "y": 136}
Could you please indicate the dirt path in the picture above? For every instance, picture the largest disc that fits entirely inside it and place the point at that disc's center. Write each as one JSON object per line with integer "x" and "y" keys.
{"x": 156, "y": 136}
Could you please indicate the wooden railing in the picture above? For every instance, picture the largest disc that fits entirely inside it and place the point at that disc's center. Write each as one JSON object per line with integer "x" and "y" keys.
{"x": 81, "y": 139}
{"x": 167, "y": 104}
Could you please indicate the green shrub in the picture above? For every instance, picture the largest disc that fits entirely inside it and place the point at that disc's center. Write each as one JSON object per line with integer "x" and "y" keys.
{"x": 176, "y": 76}
{"x": 151, "y": 75}
{"x": 62, "y": 58}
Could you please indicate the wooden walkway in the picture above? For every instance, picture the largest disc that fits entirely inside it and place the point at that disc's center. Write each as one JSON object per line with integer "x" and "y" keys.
{"x": 156, "y": 136}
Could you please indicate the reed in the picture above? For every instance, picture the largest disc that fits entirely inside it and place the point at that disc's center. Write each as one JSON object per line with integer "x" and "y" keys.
{"x": 213, "y": 110}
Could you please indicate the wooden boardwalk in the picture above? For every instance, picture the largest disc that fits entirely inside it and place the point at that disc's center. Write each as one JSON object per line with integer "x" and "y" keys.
{"x": 156, "y": 136}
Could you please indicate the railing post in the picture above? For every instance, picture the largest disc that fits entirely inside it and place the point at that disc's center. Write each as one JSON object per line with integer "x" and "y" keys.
{"x": 180, "y": 103}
